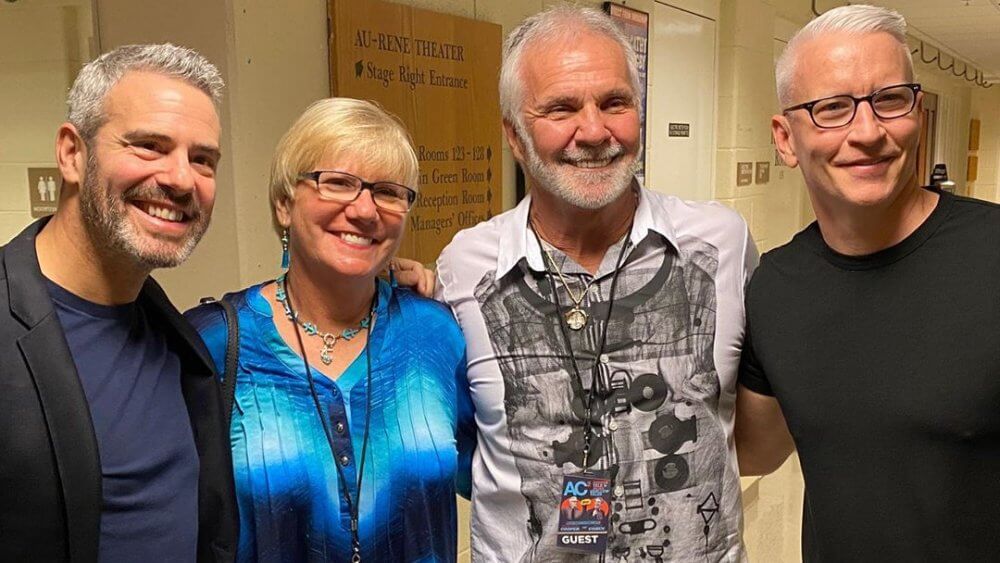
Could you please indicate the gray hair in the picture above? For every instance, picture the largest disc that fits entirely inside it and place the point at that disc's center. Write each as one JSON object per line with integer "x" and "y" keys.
{"x": 857, "y": 19}
{"x": 97, "y": 78}
{"x": 557, "y": 22}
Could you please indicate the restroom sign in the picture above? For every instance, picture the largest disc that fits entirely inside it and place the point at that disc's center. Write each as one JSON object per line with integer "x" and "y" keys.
{"x": 43, "y": 190}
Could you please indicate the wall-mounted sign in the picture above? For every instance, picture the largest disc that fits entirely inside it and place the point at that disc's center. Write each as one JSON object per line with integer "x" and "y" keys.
{"x": 635, "y": 25}
{"x": 744, "y": 173}
{"x": 43, "y": 190}
{"x": 679, "y": 130}
{"x": 762, "y": 172}
{"x": 438, "y": 73}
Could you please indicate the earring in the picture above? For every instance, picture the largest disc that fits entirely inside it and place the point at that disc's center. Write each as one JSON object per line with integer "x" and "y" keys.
{"x": 284, "y": 250}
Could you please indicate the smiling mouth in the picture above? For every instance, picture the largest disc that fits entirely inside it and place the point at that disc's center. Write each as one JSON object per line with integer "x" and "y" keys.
{"x": 592, "y": 163}
{"x": 868, "y": 162}
{"x": 356, "y": 240}
{"x": 161, "y": 212}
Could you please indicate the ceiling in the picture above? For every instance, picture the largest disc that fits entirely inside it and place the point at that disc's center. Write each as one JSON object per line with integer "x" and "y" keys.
{"x": 967, "y": 28}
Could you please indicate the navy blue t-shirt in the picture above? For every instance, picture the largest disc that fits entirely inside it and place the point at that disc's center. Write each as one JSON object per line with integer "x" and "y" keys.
{"x": 149, "y": 462}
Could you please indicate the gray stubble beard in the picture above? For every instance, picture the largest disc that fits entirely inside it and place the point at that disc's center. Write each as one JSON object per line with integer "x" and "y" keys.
{"x": 105, "y": 217}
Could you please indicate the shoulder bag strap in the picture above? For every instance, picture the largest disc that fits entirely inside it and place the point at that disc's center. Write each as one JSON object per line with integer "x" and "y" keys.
{"x": 232, "y": 355}
{"x": 232, "y": 358}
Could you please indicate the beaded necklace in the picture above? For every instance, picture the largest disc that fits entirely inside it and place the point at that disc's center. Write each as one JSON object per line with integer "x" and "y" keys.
{"x": 330, "y": 339}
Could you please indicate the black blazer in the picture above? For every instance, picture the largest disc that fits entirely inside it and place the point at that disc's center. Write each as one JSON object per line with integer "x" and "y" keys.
{"x": 50, "y": 474}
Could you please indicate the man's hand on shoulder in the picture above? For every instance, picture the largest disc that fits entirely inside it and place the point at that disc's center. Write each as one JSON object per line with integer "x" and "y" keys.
{"x": 413, "y": 275}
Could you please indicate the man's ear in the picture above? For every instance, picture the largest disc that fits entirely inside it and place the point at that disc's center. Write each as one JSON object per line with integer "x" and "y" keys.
{"x": 781, "y": 129}
{"x": 514, "y": 140}
{"x": 71, "y": 154}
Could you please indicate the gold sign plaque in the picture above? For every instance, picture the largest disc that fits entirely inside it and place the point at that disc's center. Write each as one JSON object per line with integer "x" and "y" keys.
{"x": 438, "y": 73}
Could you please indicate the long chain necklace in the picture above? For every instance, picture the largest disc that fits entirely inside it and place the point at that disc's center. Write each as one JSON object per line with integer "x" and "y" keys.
{"x": 353, "y": 502}
{"x": 576, "y": 317}
{"x": 588, "y": 422}
{"x": 330, "y": 339}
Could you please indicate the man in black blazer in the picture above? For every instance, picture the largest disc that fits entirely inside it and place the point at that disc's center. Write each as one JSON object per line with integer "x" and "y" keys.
{"x": 113, "y": 445}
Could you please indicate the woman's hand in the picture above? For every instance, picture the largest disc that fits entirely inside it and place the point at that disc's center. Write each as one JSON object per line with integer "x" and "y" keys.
{"x": 413, "y": 275}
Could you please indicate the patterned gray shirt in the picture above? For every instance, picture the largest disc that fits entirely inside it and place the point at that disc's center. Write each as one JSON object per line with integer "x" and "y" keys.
{"x": 665, "y": 381}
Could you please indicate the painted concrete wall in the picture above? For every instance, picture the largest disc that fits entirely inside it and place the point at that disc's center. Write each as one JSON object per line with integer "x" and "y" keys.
{"x": 42, "y": 47}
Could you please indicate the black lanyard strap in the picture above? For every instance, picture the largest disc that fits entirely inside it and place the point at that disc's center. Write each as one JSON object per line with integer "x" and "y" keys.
{"x": 587, "y": 423}
{"x": 353, "y": 504}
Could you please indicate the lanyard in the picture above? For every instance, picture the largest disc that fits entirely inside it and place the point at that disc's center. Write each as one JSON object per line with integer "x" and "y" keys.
{"x": 588, "y": 423}
{"x": 352, "y": 504}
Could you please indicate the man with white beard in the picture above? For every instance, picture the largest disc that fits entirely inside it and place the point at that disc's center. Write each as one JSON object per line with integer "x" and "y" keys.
{"x": 603, "y": 321}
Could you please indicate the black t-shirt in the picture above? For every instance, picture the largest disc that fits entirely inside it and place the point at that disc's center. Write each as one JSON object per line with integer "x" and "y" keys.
{"x": 887, "y": 369}
{"x": 149, "y": 462}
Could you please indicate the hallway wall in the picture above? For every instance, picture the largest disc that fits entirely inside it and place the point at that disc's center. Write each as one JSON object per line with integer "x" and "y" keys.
{"x": 42, "y": 47}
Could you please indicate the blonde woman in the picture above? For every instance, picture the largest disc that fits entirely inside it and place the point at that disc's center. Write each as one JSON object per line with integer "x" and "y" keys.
{"x": 352, "y": 417}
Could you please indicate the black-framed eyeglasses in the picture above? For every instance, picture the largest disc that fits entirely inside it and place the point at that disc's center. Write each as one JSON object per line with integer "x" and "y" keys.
{"x": 890, "y": 102}
{"x": 334, "y": 185}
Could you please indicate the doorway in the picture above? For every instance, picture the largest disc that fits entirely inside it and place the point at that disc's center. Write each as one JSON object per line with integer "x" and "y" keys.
{"x": 680, "y": 124}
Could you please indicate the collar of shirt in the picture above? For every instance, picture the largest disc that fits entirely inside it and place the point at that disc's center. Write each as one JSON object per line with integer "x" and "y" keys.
{"x": 522, "y": 244}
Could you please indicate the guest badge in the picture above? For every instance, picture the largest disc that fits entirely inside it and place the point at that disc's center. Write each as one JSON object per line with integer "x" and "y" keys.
{"x": 584, "y": 512}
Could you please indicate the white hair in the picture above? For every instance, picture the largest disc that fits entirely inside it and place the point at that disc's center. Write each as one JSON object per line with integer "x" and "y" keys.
{"x": 857, "y": 19}
{"x": 97, "y": 78}
{"x": 558, "y": 22}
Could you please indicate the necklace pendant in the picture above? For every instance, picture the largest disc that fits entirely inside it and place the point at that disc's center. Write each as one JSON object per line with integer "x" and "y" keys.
{"x": 328, "y": 342}
{"x": 576, "y": 318}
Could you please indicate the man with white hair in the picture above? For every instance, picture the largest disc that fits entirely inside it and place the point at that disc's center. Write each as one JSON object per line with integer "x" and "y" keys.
{"x": 873, "y": 333}
{"x": 603, "y": 323}
{"x": 113, "y": 445}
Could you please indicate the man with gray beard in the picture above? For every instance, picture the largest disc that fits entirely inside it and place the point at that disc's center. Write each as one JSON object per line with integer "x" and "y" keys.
{"x": 111, "y": 427}
{"x": 604, "y": 324}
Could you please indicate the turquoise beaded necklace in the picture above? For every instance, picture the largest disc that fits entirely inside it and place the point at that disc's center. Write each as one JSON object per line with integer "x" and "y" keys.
{"x": 330, "y": 339}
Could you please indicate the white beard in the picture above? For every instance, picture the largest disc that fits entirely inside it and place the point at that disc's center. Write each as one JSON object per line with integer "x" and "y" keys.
{"x": 579, "y": 186}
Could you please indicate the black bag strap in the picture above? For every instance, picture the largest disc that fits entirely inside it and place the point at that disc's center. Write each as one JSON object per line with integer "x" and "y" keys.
{"x": 232, "y": 355}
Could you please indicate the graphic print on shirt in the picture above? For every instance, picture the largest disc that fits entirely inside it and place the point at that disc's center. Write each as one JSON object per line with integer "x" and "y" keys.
{"x": 655, "y": 417}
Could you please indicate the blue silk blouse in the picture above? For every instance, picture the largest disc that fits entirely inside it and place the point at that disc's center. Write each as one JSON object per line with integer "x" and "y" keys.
{"x": 421, "y": 436}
